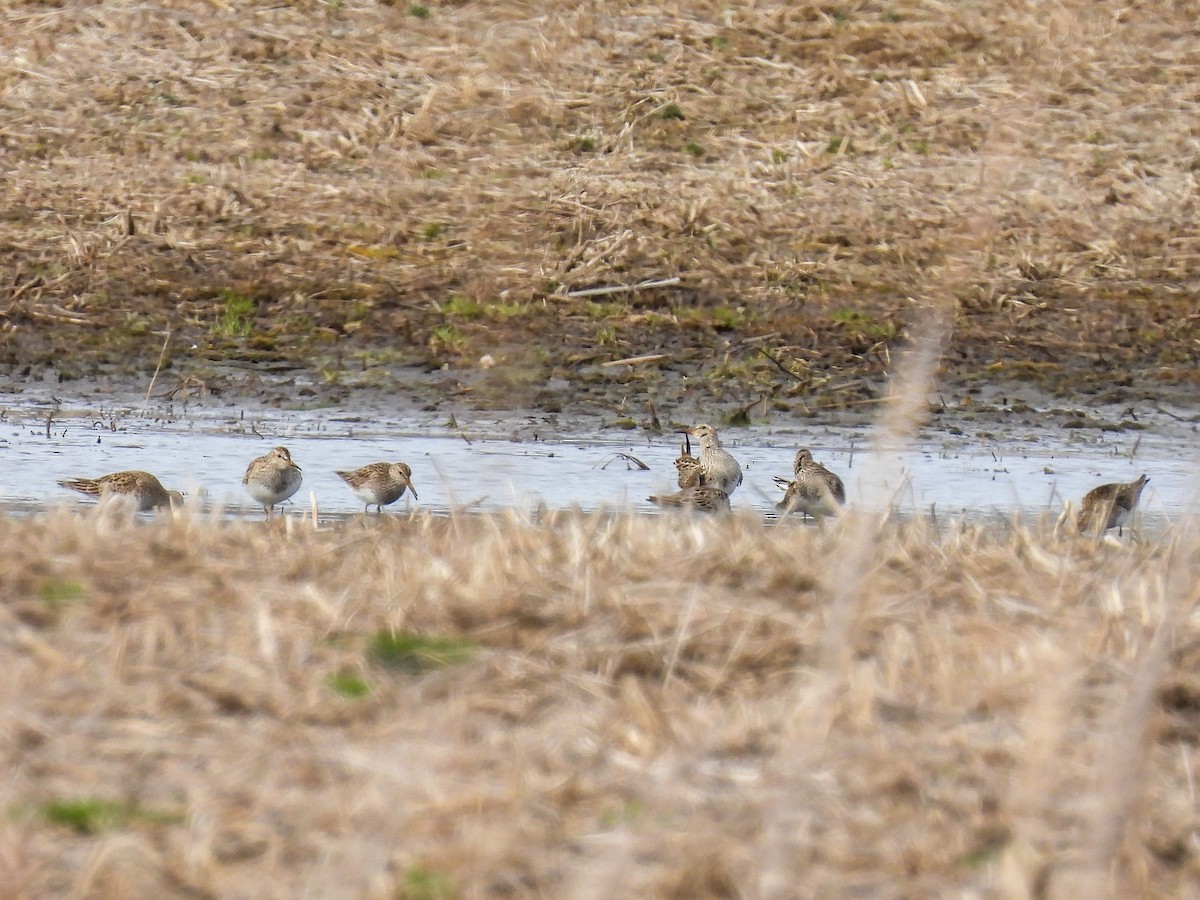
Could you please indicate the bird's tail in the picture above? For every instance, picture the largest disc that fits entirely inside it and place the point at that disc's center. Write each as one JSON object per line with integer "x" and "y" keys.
{"x": 83, "y": 485}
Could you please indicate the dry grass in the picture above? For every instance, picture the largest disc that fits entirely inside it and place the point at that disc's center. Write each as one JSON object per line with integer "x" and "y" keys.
{"x": 316, "y": 181}
{"x": 613, "y": 706}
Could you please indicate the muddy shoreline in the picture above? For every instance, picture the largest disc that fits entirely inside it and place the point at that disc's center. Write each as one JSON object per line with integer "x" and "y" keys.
{"x": 447, "y": 402}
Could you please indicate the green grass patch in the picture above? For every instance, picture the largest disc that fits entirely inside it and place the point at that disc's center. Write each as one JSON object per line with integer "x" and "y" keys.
{"x": 463, "y": 307}
{"x": 626, "y": 813}
{"x": 602, "y": 310}
{"x": 726, "y": 317}
{"x": 234, "y": 319}
{"x": 694, "y": 149}
{"x": 861, "y": 323}
{"x": 61, "y": 593}
{"x": 348, "y": 685}
{"x": 506, "y": 310}
{"x": 421, "y": 883}
{"x": 416, "y": 653}
{"x": 418, "y": 10}
{"x": 447, "y": 339}
{"x": 92, "y": 815}
{"x": 373, "y": 251}
{"x": 672, "y": 112}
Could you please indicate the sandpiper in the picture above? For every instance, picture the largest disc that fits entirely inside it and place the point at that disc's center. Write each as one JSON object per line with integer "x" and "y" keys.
{"x": 813, "y": 490}
{"x": 141, "y": 487}
{"x": 688, "y": 467}
{"x": 1110, "y": 505}
{"x": 272, "y": 478}
{"x": 717, "y": 466}
{"x": 701, "y": 499}
{"x": 379, "y": 484}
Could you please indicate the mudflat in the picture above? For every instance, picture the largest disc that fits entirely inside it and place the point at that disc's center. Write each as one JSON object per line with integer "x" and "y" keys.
{"x": 438, "y": 201}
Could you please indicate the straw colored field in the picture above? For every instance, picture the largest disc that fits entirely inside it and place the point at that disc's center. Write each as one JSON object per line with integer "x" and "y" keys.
{"x": 594, "y": 706}
{"x": 373, "y": 191}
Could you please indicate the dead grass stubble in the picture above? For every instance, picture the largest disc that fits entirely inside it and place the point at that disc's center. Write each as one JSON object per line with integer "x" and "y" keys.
{"x": 634, "y": 678}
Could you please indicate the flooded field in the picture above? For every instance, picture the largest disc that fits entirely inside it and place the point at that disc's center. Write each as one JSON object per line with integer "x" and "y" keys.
{"x": 524, "y": 463}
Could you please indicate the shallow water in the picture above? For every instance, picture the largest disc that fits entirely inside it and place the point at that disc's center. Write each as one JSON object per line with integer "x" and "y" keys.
{"x": 496, "y": 464}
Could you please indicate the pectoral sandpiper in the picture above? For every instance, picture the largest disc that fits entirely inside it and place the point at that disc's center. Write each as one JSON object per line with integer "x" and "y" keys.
{"x": 272, "y": 478}
{"x": 813, "y": 490}
{"x": 379, "y": 484}
{"x": 1110, "y": 505}
{"x": 701, "y": 499}
{"x": 688, "y": 467}
{"x": 139, "y": 487}
{"x": 717, "y": 466}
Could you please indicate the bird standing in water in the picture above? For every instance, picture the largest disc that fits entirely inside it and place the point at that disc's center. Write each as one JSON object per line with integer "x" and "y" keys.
{"x": 813, "y": 489}
{"x": 379, "y": 484}
{"x": 718, "y": 468}
{"x": 1110, "y": 505}
{"x": 688, "y": 466}
{"x": 140, "y": 487}
{"x": 700, "y": 499}
{"x": 272, "y": 478}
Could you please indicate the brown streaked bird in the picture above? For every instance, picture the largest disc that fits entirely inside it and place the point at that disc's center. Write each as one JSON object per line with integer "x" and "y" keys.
{"x": 717, "y": 465}
{"x": 272, "y": 478}
{"x": 701, "y": 499}
{"x": 140, "y": 487}
{"x": 1110, "y": 505}
{"x": 379, "y": 484}
{"x": 813, "y": 490}
{"x": 688, "y": 466}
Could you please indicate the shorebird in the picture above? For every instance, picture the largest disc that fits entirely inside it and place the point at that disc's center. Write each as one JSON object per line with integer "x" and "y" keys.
{"x": 813, "y": 490}
{"x": 718, "y": 468}
{"x": 272, "y": 478}
{"x": 379, "y": 484}
{"x": 701, "y": 499}
{"x": 688, "y": 467}
{"x": 141, "y": 487}
{"x": 1110, "y": 505}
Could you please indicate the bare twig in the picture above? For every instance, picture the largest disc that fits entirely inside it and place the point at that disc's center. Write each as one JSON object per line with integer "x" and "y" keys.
{"x": 629, "y": 459}
{"x": 634, "y": 360}
{"x": 623, "y": 288}
{"x": 162, "y": 354}
{"x": 779, "y": 365}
